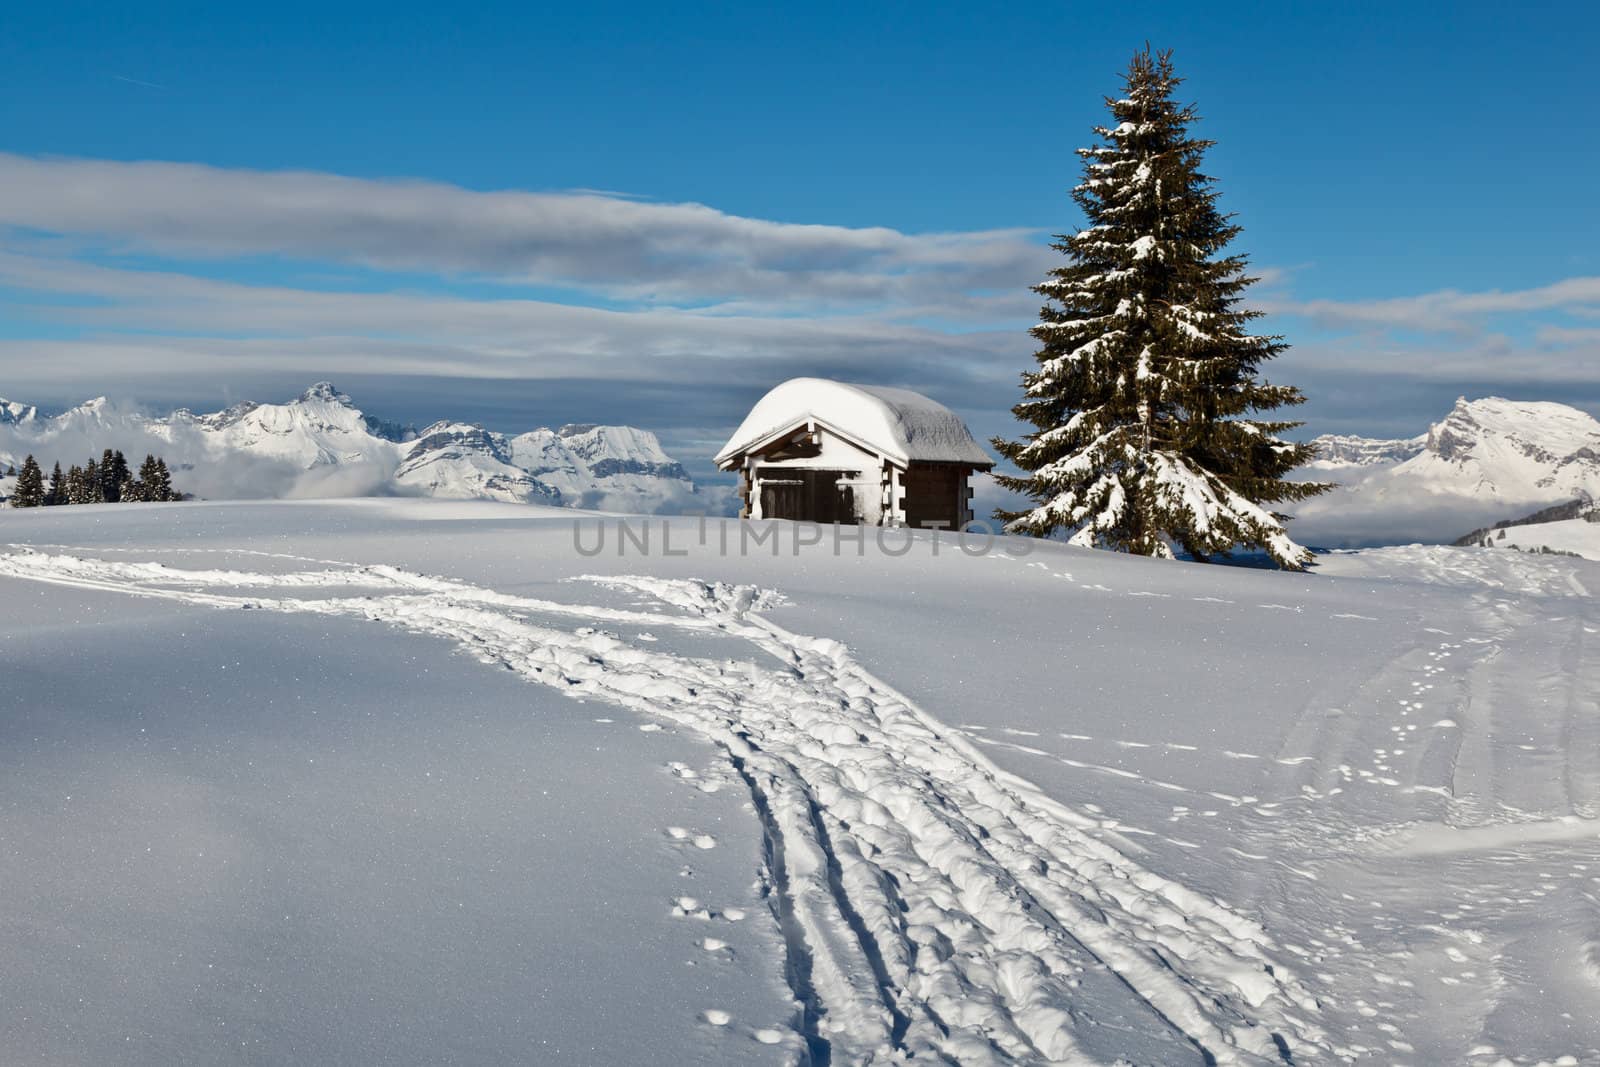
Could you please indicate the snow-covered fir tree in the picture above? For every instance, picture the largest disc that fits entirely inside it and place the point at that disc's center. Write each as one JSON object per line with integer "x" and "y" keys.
{"x": 161, "y": 488}
{"x": 123, "y": 475}
{"x": 76, "y": 491}
{"x": 1146, "y": 405}
{"x": 56, "y": 492}
{"x": 149, "y": 479}
{"x": 113, "y": 472}
{"x": 91, "y": 483}
{"x": 30, "y": 485}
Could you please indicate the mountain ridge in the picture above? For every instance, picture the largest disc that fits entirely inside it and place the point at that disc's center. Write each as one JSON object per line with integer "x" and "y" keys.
{"x": 1523, "y": 451}
{"x": 322, "y": 443}
{"x": 1486, "y": 460}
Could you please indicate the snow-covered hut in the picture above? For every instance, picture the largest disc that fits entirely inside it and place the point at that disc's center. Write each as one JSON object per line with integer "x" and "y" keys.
{"x": 826, "y": 451}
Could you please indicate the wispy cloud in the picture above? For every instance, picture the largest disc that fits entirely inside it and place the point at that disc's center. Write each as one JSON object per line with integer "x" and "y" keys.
{"x": 1570, "y": 336}
{"x": 138, "y": 82}
{"x": 1447, "y": 311}
{"x": 201, "y": 318}
{"x": 653, "y": 253}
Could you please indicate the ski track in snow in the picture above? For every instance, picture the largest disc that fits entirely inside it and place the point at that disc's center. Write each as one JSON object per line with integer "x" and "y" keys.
{"x": 933, "y": 906}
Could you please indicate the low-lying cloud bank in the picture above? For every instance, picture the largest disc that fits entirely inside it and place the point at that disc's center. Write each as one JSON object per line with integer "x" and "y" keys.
{"x": 1346, "y": 519}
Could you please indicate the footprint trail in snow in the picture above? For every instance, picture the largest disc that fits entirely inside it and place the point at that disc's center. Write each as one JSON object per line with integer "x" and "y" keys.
{"x": 933, "y": 907}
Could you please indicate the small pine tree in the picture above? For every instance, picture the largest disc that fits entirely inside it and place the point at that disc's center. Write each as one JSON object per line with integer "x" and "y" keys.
{"x": 1145, "y": 402}
{"x": 56, "y": 493}
{"x": 30, "y": 486}
{"x": 162, "y": 489}
{"x": 91, "y": 483}
{"x": 76, "y": 493}
{"x": 120, "y": 472}
{"x": 11, "y": 470}
{"x": 109, "y": 481}
{"x": 149, "y": 477}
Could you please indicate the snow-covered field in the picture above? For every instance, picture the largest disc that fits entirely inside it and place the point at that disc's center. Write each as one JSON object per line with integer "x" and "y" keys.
{"x": 418, "y": 781}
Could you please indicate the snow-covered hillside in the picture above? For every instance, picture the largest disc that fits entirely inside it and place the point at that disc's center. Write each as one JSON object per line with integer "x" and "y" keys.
{"x": 1572, "y": 528}
{"x": 1487, "y": 460}
{"x": 811, "y": 803}
{"x": 321, "y": 444}
{"x": 1579, "y": 537}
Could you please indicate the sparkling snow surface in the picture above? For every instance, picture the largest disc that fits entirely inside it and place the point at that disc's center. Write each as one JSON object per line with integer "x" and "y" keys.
{"x": 276, "y": 787}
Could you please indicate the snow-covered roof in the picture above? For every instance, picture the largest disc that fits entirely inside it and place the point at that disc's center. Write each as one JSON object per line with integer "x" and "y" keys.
{"x": 899, "y": 424}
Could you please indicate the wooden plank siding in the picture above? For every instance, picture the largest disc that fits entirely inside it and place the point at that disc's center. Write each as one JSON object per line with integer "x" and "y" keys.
{"x": 809, "y": 496}
{"x": 934, "y": 493}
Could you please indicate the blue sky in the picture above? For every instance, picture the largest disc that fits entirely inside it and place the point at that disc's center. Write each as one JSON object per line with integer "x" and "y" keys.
{"x": 875, "y": 182}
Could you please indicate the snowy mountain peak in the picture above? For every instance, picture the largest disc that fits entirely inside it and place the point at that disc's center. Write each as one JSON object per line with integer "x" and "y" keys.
{"x": 319, "y": 428}
{"x": 15, "y": 414}
{"x": 1540, "y": 432}
{"x": 90, "y": 417}
{"x": 324, "y": 392}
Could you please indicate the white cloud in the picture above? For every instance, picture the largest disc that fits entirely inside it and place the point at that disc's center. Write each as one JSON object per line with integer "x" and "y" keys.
{"x": 197, "y": 325}
{"x": 1469, "y": 360}
{"x": 621, "y": 247}
{"x": 1347, "y": 519}
{"x": 1446, "y": 311}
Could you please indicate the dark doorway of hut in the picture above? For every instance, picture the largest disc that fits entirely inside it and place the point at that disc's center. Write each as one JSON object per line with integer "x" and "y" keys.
{"x": 813, "y": 496}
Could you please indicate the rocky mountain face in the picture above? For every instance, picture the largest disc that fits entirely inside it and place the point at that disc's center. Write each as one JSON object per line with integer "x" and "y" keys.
{"x": 1540, "y": 451}
{"x": 466, "y": 462}
{"x": 607, "y": 468}
{"x": 306, "y": 444}
{"x": 14, "y": 414}
{"x": 1341, "y": 450}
